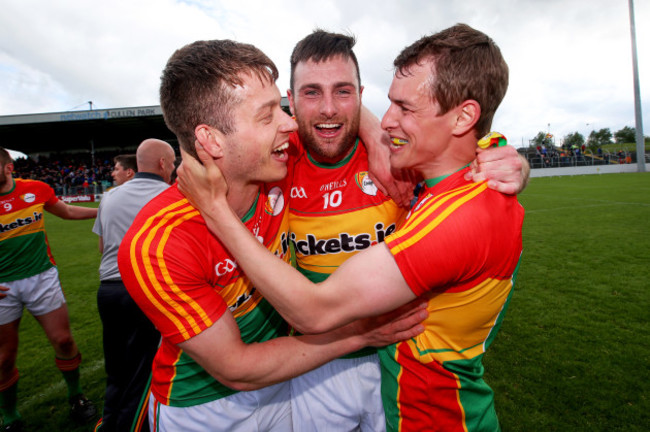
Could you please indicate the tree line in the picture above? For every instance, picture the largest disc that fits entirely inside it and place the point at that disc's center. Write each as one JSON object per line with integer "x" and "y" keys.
{"x": 593, "y": 141}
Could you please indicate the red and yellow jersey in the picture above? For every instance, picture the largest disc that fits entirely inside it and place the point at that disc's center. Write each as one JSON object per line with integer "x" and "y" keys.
{"x": 459, "y": 248}
{"x": 24, "y": 250}
{"x": 336, "y": 211}
{"x": 185, "y": 280}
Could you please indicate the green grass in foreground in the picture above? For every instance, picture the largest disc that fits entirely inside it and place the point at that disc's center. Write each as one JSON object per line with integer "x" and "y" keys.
{"x": 573, "y": 353}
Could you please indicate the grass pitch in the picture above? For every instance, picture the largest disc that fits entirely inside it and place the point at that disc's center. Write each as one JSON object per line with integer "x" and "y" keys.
{"x": 573, "y": 353}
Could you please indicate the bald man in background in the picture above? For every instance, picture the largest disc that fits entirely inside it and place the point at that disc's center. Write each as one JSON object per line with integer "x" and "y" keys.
{"x": 130, "y": 340}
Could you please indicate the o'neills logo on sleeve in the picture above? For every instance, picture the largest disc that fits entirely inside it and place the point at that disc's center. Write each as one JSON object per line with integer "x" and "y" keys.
{"x": 274, "y": 202}
{"x": 20, "y": 222}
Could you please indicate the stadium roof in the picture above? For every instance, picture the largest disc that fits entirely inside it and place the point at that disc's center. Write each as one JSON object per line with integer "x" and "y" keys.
{"x": 116, "y": 129}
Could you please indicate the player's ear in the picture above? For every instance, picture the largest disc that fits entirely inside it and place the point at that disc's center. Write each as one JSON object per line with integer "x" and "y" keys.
{"x": 290, "y": 97}
{"x": 467, "y": 115}
{"x": 211, "y": 139}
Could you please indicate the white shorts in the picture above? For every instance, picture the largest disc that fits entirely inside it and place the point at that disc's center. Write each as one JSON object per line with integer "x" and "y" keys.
{"x": 40, "y": 294}
{"x": 267, "y": 409}
{"x": 342, "y": 395}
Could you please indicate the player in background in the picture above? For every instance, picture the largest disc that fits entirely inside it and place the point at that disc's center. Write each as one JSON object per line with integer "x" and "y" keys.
{"x": 458, "y": 249}
{"x": 335, "y": 211}
{"x": 29, "y": 279}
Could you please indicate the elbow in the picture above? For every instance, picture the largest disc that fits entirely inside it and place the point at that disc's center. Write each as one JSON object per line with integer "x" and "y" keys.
{"x": 313, "y": 324}
{"x": 239, "y": 385}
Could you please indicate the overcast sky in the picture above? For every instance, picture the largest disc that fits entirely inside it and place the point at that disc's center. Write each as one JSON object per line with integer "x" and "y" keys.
{"x": 570, "y": 60}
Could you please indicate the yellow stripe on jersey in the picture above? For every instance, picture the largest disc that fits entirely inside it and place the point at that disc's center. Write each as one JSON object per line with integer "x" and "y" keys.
{"x": 362, "y": 231}
{"x": 459, "y": 323}
{"x": 168, "y": 212}
{"x": 33, "y": 214}
{"x": 438, "y": 201}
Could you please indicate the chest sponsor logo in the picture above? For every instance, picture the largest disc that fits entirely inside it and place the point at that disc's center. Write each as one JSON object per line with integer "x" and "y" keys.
{"x": 20, "y": 222}
{"x": 28, "y": 197}
{"x": 365, "y": 183}
{"x": 224, "y": 267}
{"x": 298, "y": 192}
{"x": 274, "y": 202}
{"x": 345, "y": 242}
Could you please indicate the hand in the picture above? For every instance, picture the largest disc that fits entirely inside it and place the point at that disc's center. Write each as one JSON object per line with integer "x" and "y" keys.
{"x": 399, "y": 185}
{"x": 202, "y": 183}
{"x": 504, "y": 169}
{"x": 397, "y": 325}
{"x": 2, "y": 294}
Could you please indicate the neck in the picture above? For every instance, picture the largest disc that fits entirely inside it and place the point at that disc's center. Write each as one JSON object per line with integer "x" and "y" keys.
{"x": 8, "y": 184}
{"x": 458, "y": 154}
{"x": 241, "y": 197}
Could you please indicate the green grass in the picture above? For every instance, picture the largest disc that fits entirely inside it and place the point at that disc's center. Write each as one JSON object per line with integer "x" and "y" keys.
{"x": 574, "y": 350}
{"x": 573, "y": 353}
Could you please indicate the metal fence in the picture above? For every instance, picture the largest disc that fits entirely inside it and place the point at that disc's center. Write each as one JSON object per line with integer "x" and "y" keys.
{"x": 570, "y": 159}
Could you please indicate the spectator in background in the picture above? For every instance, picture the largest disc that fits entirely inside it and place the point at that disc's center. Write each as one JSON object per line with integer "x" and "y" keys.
{"x": 125, "y": 168}
{"x": 130, "y": 340}
{"x": 29, "y": 278}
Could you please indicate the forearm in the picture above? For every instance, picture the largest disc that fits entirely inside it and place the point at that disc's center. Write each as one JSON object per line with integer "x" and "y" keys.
{"x": 66, "y": 211}
{"x": 296, "y": 298}
{"x": 78, "y": 212}
{"x": 293, "y": 356}
{"x": 252, "y": 366}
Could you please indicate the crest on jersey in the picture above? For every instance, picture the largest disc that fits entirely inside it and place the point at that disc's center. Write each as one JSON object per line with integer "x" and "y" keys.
{"x": 28, "y": 197}
{"x": 274, "y": 202}
{"x": 365, "y": 184}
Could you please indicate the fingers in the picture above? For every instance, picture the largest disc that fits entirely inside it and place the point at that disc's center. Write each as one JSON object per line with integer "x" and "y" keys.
{"x": 495, "y": 153}
{"x": 203, "y": 155}
{"x": 504, "y": 188}
{"x": 377, "y": 183}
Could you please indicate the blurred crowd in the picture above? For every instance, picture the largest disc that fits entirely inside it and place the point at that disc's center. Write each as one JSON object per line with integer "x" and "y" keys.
{"x": 69, "y": 174}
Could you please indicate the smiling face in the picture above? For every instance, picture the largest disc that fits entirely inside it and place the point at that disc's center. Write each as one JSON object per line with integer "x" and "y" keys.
{"x": 256, "y": 151}
{"x": 421, "y": 136}
{"x": 326, "y": 101}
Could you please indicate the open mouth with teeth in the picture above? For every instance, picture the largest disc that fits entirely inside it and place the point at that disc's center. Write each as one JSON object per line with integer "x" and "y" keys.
{"x": 281, "y": 150}
{"x": 327, "y": 129}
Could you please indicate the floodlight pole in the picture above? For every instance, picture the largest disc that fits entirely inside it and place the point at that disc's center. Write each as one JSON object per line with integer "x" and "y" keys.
{"x": 640, "y": 144}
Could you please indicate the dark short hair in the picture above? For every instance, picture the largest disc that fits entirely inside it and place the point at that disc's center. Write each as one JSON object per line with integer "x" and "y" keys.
{"x": 466, "y": 64}
{"x": 320, "y": 46}
{"x": 5, "y": 157}
{"x": 127, "y": 161}
{"x": 198, "y": 82}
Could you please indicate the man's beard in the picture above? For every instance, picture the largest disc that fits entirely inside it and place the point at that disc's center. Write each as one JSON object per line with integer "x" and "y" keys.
{"x": 313, "y": 143}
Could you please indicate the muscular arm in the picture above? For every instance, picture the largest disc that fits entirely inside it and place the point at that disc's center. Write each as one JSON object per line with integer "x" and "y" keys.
{"x": 221, "y": 352}
{"x": 66, "y": 211}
